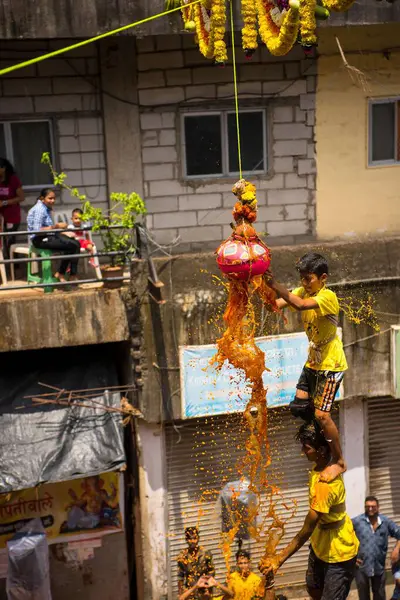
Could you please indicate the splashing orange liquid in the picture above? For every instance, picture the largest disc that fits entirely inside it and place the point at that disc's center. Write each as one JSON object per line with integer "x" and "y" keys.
{"x": 237, "y": 346}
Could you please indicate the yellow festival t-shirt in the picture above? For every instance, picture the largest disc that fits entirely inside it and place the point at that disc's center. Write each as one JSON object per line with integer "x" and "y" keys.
{"x": 326, "y": 349}
{"x": 249, "y": 588}
{"x": 331, "y": 545}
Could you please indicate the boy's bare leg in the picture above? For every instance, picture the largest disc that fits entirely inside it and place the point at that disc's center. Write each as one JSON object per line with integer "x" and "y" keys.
{"x": 331, "y": 434}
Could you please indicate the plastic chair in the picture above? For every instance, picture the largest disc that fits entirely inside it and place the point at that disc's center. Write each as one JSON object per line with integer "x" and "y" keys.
{"x": 2, "y": 265}
{"x": 47, "y": 274}
{"x": 20, "y": 249}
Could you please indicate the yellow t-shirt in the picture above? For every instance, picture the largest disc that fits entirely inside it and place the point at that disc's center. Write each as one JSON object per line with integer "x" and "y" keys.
{"x": 320, "y": 324}
{"x": 331, "y": 545}
{"x": 250, "y": 588}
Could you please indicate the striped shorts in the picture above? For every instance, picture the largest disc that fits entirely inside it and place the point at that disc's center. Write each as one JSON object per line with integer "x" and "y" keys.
{"x": 321, "y": 386}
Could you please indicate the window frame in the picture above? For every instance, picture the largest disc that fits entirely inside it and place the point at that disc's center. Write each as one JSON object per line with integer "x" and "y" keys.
{"x": 389, "y": 100}
{"x": 223, "y": 114}
{"x": 10, "y": 149}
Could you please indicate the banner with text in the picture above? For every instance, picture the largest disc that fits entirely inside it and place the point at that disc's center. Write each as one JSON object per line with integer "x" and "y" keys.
{"x": 206, "y": 391}
{"x": 77, "y": 509}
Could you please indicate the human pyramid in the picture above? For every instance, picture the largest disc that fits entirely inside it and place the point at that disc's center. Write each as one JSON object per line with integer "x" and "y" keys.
{"x": 334, "y": 546}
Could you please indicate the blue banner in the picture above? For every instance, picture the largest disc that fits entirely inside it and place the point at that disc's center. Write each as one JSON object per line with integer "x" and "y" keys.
{"x": 206, "y": 391}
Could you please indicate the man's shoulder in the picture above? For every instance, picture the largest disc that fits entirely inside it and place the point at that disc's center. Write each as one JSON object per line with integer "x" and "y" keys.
{"x": 255, "y": 578}
{"x": 384, "y": 519}
{"x": 182, "y": 556}
{"x": 35, "y": 209}
{"x": 328, "y": 294}
{"x": 358, "y": 519}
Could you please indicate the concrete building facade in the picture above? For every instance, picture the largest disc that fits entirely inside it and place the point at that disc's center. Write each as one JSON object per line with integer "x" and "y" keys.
{"x": 117, "y": 117}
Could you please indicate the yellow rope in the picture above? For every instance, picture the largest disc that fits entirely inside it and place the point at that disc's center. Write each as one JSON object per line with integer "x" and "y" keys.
{"x": 37, "y": 59}
{"x": 235, "y": 88}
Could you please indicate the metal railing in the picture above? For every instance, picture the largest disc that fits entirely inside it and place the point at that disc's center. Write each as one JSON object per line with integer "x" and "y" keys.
{"x": 55, "y": 257}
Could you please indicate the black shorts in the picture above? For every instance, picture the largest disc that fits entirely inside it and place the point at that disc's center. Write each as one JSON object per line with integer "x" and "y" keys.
{"x": 321, "y": 386}
{"x": 333, "y": 580}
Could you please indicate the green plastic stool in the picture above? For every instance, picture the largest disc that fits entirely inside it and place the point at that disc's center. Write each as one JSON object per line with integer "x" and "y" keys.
{"x": 47, "y": 275}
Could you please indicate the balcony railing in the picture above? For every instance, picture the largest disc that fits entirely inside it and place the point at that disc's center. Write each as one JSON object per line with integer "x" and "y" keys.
{"x": 55, "y": 257}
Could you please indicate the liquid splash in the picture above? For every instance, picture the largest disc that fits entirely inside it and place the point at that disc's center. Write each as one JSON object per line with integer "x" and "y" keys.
{"x": 237, "y": 346}
{"x": 360, "y": 309}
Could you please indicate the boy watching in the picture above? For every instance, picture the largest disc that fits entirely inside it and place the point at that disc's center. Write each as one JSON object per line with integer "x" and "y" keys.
{"x": 323, "y": 372}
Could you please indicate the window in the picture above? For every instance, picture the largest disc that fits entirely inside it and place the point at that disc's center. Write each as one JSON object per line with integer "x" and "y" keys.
{"x": 23, "y": 143}
{"x": 210, "y": 144}
{"x": 384, "y": 131}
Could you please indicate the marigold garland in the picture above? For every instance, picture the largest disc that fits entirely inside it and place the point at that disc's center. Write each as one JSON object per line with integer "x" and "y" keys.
{"x": 308, "y": 22}
{"x": 249, "y": 31}
{"x": 279, "y": 22}
{"x": 279, "y": 41}
{"x": 218, "y": 26}
{"x": 208, "y": 21}
{"x": 338, "y": 5}
{"x": 203, "y": 36}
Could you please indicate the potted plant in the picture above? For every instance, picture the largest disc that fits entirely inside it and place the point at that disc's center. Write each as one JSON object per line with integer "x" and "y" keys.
{"x": 123, "y": 214}
{"x": 114, "y": 226}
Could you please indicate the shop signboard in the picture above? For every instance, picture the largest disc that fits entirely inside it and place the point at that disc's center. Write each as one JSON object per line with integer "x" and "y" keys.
{"x": 70, "y": 510}
{"x": 206, "y": 391}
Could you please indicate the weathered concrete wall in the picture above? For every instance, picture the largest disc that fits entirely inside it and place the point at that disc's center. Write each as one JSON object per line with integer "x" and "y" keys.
{"x": 174, "y": 79}
{"x": 66, "y": 18}
{"x": 193, "y": 312}
{"x": 58, "y": 320}
{"x": 362, "y": 199}
{"x": 153, "y": 502}
{"x": 121, "y": 119}
{"x": 104, "y": 577}
{"x": 65, "y": 91}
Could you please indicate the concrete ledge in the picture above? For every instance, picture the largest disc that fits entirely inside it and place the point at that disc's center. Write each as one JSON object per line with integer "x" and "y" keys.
{"x": 56, "y": 320}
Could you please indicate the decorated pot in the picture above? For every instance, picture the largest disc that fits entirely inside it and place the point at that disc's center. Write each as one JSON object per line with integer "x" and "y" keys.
{"x": 243, "y": 258}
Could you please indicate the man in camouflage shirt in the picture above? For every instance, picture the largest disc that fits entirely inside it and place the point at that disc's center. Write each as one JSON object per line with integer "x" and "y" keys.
{"x": 193, "y": 562}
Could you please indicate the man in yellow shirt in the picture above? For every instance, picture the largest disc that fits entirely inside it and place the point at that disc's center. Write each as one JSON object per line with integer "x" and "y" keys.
{"x": 243, "y": 583}
{"x": 334, "y": 544}
{"x": 324, "y": 370}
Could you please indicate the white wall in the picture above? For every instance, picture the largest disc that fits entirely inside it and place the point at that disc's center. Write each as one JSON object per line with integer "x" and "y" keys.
{"x": 354, "y": 442}
{"x": 173, "y": 75}
{"x": 152, "y": 473}
{"x": 66, "y": 90}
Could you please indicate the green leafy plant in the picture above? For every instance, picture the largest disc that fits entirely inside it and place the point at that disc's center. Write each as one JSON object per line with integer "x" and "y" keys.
{"x": 123, "y": 213}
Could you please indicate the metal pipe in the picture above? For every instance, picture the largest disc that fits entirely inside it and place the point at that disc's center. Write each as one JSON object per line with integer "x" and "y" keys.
{"x": 158, "y": 332}
{"x": 59, "y": 256}
{"x": 46, "y": 231}
{"x": 374, "y": 281}
{"x": 59, "y": 283}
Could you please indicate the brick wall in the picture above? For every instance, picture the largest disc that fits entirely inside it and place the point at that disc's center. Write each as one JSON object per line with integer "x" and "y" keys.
{"x": 64, "y": 89}
{"x": 171, "y": 75}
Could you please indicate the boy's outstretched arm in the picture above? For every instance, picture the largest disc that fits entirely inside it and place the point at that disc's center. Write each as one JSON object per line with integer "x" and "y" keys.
{"x": 272, "y": 565}
{"x": 289, "y": 298}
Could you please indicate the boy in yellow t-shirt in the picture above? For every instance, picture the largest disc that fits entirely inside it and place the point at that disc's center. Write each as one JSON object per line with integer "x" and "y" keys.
{"x": 243, "y": 583}
{"x": 334, "y": 544}
{"x": 323, "y": 372}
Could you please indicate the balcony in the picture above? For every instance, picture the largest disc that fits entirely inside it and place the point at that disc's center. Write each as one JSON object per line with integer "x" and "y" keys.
{"x": 69, "y": 19}
{"x": 51, "y": 314}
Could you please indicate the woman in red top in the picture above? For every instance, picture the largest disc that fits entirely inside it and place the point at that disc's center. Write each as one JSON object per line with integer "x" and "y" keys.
{"x": 11, "y": 196}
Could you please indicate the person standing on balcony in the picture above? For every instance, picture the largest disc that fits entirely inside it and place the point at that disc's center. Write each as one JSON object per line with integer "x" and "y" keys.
{"x": 40, "y": 219}
{"x": 11, "y": 196}
{"x": 373, "y": 530}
